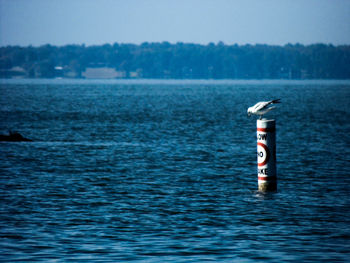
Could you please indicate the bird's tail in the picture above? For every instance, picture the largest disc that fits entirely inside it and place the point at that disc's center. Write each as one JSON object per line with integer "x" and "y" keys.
{"x": 276, "y": 101}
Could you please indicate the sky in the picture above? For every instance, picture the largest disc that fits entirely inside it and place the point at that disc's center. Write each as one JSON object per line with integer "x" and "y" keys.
{"x": 96, "y": 22}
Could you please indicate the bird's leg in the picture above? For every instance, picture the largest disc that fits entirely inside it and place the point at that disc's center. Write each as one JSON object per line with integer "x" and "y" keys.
{"x": 260, "y": 117}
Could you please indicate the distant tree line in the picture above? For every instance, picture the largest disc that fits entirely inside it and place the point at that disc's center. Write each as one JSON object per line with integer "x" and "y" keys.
{"x": 180, "y": 60}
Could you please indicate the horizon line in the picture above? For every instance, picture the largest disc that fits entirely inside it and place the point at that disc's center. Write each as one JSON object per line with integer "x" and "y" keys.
{"x": 218, "y": 43}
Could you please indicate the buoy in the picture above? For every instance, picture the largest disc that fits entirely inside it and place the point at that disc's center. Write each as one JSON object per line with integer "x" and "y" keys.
{"x": 266, "y": 155}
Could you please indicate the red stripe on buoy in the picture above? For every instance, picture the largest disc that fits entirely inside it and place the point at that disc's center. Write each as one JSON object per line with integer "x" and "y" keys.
{"x": 267, "y": 178}
{"x": 266, "y": 129}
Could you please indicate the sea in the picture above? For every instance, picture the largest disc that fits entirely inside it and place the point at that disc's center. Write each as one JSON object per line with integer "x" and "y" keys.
{"x": 166, "y": 171}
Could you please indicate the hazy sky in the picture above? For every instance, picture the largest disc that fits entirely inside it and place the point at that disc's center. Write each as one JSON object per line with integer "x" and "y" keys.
{"x": 90, "y": 22}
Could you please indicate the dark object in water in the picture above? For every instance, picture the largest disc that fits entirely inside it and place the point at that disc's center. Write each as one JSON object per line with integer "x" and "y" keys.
{"x": 13, "y": 137}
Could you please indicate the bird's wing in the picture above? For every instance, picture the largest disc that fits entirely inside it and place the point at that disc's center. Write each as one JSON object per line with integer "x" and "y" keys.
{"x": 261, "y": 105}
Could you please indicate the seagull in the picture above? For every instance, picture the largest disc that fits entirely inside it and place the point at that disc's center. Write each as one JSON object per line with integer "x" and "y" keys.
{"x": 262, "y": 107}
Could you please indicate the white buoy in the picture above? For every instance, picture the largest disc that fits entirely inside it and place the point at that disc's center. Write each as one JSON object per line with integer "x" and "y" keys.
{"x": 266, "y": 152}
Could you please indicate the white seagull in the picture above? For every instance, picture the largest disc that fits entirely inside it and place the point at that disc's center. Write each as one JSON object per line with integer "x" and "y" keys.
{"x": 262, "y": 107}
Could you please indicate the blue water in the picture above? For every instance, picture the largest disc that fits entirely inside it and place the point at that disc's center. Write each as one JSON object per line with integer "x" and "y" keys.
{"x": 165, "y": 171}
